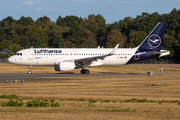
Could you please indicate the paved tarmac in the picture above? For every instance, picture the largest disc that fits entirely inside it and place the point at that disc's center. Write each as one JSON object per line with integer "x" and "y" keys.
{"x": 38, "y": 77}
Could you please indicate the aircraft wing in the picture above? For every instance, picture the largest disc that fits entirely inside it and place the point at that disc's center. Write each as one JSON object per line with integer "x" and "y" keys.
{"x": 89, "y": 60}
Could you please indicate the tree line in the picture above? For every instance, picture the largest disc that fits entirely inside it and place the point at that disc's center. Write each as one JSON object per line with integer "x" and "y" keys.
{"x": 90, "y": 32}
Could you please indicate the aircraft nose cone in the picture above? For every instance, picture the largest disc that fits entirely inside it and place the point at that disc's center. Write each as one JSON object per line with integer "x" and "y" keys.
{"x": 10, "y": 60}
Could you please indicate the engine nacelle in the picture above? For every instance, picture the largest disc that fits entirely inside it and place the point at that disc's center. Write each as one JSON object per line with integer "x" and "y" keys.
{"x": 65, "y": 66}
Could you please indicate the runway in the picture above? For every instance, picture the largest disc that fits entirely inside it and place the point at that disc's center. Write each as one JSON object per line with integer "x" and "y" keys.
{"x": 38, "y": 77}
{"x": 57, "y": 76}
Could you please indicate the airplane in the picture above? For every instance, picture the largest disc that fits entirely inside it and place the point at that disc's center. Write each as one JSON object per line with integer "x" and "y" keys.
{"x": 68, "y": 59}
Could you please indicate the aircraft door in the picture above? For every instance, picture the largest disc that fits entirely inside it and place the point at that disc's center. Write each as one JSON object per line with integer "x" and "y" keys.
{"x": 30, "y": 54}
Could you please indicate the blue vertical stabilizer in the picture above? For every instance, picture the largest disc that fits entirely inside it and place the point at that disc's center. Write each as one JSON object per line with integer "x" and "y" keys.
{"x": 151, "y": 46}
{"x": 154, "y": 40}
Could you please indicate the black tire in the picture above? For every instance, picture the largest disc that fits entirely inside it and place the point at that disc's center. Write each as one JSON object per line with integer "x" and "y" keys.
{"x": 86, "y": 71}
{"x": 82, "y": 71}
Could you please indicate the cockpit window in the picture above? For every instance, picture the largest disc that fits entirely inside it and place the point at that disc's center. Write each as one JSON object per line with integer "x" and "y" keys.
{"x": 19, "y": 54}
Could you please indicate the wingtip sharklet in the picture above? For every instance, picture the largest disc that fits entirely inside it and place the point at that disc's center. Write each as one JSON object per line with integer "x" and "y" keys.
{"x": 114, "y": 50}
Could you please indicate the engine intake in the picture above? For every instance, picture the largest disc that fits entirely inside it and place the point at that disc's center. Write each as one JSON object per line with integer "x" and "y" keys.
{"x": 65, "y": 66}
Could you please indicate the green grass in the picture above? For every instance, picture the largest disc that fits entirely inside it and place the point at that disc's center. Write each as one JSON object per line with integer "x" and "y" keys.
{"x": 118, "y": 110}
{"x": 13, "y": 103}
{"x": 9, "y": 96}
{"x": 138, "y": 100}
{"x": 92, "y": 100}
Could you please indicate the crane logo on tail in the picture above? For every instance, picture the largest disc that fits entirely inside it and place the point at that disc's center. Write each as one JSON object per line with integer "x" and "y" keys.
{"x": 154, "y": 41}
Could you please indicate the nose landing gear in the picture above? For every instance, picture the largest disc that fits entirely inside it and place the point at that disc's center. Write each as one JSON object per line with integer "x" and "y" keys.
{"x": 30, "y": 72}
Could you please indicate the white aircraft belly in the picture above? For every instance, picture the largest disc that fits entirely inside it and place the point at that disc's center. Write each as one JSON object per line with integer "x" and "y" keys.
{"x": 116, "y": 60}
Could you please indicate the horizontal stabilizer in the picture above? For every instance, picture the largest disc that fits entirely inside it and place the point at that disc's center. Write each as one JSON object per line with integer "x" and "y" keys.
{"x": 162, "y": 51}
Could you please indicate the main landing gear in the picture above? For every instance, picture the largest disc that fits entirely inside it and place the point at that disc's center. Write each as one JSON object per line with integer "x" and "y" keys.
{"x": 84, "y": 71}
{"x": 30, "y": 72}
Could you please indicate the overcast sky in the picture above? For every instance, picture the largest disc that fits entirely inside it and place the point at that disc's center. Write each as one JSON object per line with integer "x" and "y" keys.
{"x": 111, "y": 10}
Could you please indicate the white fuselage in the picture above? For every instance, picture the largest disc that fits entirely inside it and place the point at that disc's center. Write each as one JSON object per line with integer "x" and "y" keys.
{"x": 50, "y": 56}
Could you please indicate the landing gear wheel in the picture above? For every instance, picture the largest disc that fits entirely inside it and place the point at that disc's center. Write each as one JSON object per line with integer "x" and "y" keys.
{"x": 29, "y": 72}
{"x": 84, "y": 71}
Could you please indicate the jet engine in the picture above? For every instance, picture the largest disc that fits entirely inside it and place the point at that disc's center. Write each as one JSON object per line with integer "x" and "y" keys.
{"x": 65, "y": 66}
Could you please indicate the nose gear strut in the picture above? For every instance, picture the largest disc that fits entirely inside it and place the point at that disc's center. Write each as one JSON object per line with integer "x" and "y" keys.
{"x": 30, "y": 72}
